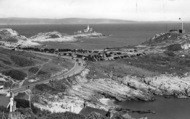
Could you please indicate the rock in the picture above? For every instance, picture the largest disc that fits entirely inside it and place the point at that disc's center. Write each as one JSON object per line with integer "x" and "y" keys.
{"x": 11, "y": 38}
{"x": 95, "y": 115}
{"x": 131, "y": 88}
{"x": 98, "y": 93}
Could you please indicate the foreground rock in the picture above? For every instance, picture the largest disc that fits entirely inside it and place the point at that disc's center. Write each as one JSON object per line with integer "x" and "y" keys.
{"x": 131, "y": 88}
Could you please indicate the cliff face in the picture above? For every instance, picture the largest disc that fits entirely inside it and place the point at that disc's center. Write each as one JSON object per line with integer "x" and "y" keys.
{"x": 131, "y": 88}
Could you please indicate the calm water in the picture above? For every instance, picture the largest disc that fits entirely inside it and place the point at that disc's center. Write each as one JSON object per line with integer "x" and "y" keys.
{"x": 165, "y": 108}
{"x": 121, "y": 35}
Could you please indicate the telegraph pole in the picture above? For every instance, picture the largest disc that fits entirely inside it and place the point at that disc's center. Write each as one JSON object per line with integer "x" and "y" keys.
{"x": 181, "y": 23}
{"x": 181, "y": 30}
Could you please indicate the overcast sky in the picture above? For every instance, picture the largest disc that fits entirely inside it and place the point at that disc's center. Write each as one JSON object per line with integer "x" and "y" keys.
{"x": 141, "y": 10}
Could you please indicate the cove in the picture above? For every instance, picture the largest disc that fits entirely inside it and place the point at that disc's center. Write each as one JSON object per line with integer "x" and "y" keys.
{"x": 164, "y": 108}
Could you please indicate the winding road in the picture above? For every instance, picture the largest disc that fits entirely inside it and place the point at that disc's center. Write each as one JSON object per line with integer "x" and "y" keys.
{"x": 76, "y": 69}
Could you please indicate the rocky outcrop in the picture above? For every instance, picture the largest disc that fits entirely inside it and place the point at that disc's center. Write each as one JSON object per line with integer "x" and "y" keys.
{"x": 130, "y": 88}
{"x": 11, "y": 38}
{"x": 89, "y": 35}
{"x": 58, "y": 37}
{"x": 52, "y": 37}
{"x": 7, "y": 32}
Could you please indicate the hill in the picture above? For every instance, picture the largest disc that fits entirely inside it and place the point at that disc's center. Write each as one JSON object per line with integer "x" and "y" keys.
{"x": 18, "y": 21}
{"x": 31, "y": 67}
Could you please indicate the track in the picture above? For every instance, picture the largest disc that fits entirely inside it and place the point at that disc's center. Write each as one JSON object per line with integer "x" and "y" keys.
{"x": 76, "y": 69}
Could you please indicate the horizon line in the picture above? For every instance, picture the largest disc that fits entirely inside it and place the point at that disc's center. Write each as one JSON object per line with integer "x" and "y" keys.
{"x": 125, "y": 20}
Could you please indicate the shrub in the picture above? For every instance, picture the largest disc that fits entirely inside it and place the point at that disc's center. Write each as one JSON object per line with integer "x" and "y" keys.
{"x": 4, "y": 109}
{"x": 21, "y": 61}
{"x": 44, "y": 88}
{"x": 21, "y": 103}
{"x": 15, "y": 74}
{"x": 174, "y": 47}
{"x": 42, "y": 72}
{"x": 53, "y": 36}
{"x": 33, "y": 69}
{"x": 10, "y": 39}
{"x": 66, "y": 115}
{"x": 169, "y": 53}
{"x": 7, "y": 62}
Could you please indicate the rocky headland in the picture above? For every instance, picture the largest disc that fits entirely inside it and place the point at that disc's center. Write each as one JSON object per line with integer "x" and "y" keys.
{"x": 159, "y": 66}
{"x": 161, "y": 69}
{"x": 11, "y": 38}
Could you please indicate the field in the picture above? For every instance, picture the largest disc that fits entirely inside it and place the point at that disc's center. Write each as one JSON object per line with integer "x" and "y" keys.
{"x": 26, "y": 66}
{"x": 142, "y": 66}
{"x": 116, "y": 68}
{"x": 162, "y": 63}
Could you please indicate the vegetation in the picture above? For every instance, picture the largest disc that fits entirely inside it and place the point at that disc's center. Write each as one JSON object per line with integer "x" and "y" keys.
{"x": 22, "y": 103}
{"x": 162, "y": 63}
{"x": 44, "y": 88}
{"x": 15, "y": 74}
{"x": 5, "y": 61}
{"x": 33, "y": 70}
{"x": 95, "y": 115}
{"x": 174, "y": 47}
{"x": 116, "y": 68}
{"x": 4, "y": 112}
{"x": 53, "y": 88}
{"x": 4, "y": 109}
{"x": 66, "y": 115}
{"x": 54, "y": 36}
{"x": 11, "y": 39}
{"x": 21, "y": 61}
{"x": 163, "y": 39}
{"x": 21, "y": 64}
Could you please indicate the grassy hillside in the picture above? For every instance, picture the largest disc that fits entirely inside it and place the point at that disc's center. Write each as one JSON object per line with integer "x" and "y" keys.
{"x": 169, "y": 62}
{"x": 21, "y": 65}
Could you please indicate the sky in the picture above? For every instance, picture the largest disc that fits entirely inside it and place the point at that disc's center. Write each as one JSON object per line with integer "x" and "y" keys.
{"x": 137, "y": 10}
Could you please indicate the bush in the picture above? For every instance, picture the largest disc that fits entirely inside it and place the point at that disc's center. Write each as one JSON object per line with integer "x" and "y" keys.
{"x": 4, "y": 109}
{"x": 15, "y": 74}
{"x": 95, "y": 115}
{"x": 21, "y": 103}
{"x": 174, "y": 47}
{"x": 66, "y": 115}
{"x": 169, "y": 53}
{"x": 44, "y": 88}
{"x": 21, "y": 61}
{"x": 42, "y": 72}
{"x": 53, "y": 36}
{"x": 39, "y": 112}
{"x": 7, "y": 62}
{"x": 12, "y": 40}
{"x": 33, "y": 69}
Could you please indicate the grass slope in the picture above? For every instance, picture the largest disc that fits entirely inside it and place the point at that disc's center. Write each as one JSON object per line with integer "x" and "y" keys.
{"x": 21, "y": 65}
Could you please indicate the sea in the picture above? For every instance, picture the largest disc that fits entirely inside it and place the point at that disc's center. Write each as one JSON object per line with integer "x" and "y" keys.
{"x": 119, "y": 35}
